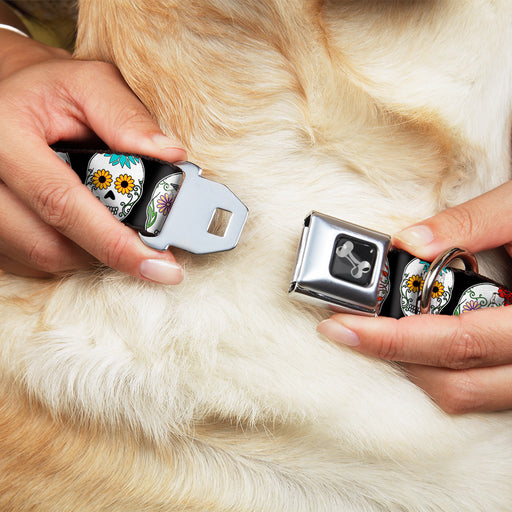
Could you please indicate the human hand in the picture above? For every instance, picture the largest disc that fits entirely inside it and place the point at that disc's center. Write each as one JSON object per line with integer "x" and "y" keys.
{"x": 463, "y": 362}
{"x": 50, "y": 221}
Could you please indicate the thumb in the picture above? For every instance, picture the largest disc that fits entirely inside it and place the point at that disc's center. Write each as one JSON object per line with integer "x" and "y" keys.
{"x": 476, "y": 225}
{"x": 119, "y": 118}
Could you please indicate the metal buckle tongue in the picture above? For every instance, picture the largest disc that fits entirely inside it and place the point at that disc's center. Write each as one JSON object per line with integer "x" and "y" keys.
{"x": 339, "y": 265}
{"x": 188, "y": 223}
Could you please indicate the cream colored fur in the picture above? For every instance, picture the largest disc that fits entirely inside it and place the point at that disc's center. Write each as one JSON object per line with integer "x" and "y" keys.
{"x": 218, "y": 394}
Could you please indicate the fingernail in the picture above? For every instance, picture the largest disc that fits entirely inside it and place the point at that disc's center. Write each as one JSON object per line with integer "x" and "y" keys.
{"x": 416, "y": 236}
{"x": 165, "y": 143}
{"x": 161, "y": 271}
{"x": 338, "y": 333}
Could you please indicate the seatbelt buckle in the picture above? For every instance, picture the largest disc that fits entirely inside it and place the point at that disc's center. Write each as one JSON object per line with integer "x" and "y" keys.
{"x": 341, "y": 266}
{"x": 196, "y": 206}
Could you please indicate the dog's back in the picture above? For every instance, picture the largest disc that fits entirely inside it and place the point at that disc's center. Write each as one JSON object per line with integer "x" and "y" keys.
{"x": 217, "y": 394}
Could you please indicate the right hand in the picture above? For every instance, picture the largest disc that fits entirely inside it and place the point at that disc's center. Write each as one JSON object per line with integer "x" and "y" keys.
{"x": 50, "y": 222}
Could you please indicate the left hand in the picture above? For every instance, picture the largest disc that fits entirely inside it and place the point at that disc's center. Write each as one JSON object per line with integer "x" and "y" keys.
{"x": 463, "y": 362}
{"x": 50, "y": 222}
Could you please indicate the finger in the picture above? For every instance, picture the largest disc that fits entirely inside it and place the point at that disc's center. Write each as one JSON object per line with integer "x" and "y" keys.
{"x": 463, "y": 391}
{"x": 65, "y": 106}
{"x": 117, "y": 116}
{"x": 55, "y": 193}
{"x": 26, "y": 240}
{"x": 476, "y": 225}
{"x": 15, "y": 267}
{"x": 473, "y": 339}
{"x": 61, "y": 99}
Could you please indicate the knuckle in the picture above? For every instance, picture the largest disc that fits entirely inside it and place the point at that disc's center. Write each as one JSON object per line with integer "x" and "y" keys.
{"x": 115, "y": 249}
{"x": 460, "y": 394}
{"x": 389, "y": 345}
{"x": 460, "y": 220}
{"x": 42, "y": 257}
{"x": 465, "y": 348}
{"x": 60, "y": 53}
{"x": 53, "y": 205}
{"x": 135, "y": 115}
{"x": 99, "y": 69}
{"x": 79, "y": 84}
{"x": 386, "y": 349}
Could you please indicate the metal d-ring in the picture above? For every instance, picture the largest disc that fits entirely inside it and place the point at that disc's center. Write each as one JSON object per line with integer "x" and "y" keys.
{"x": 437, "y": 265}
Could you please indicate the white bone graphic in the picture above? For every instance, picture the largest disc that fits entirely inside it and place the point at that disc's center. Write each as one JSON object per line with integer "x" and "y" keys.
{"x": 358, "y": 267}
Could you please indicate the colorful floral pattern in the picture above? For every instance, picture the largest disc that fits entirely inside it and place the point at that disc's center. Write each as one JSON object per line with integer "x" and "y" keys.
{"x": 437, "y": 290}
{"x": 164, "y": 203}
{"x": 122, "y": 160}
{"x": 162, "y": 199}
{"x": 108, "y": 180}
{"x": 506, "y": 295}
{"x": 412, "y": 283}
{"x": 415, "y": 283}
{"x": 384, "y": 286}
{"x": 124, "y": 184}
{"x": 102, "y": 179}
{"x": 471, "y": 305}
{"x": 481, "y": 295}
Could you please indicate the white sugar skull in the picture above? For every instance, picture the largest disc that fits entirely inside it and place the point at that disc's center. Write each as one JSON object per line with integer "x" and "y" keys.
{"x": 116, "y": 180}
{"x": 412, "y": 283}
{"x": 484, "y": 295}
{"x": 64, "y": 157}
{"x": 161, "y": 202}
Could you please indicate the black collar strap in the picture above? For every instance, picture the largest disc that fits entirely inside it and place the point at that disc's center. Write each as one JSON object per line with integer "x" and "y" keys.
{"x": 169, "y": 204}
{"x": 352, "y": 269}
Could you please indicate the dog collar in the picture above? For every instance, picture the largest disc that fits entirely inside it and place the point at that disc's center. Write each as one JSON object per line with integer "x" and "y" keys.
{"x": 351, "y": 269}
{"x": 169, "y": 204}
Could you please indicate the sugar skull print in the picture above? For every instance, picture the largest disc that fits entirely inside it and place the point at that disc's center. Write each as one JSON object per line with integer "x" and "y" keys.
{"x": 161, "y": 202}
{"x": 116, "y": 180}
{"x": 482, "y": 295}
{"x": 384, "y": 286}
{"x": 412, "y": 283}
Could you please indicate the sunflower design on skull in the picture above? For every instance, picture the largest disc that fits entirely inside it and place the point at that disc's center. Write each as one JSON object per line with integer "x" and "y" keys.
{"x": 109, "y": 180}
{"x": 124, "y": 184}
{"x": 415, "y": 283}
{"x": 102, "y": 179}
{"x": 412, "y": 285}
{"x": 437, "y": 290}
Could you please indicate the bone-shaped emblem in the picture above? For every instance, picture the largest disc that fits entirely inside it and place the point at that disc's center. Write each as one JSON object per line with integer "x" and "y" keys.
{"x": 358, "y": 267}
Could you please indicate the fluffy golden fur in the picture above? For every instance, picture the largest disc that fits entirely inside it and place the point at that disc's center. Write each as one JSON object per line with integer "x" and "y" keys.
{"x": 218, "y": 394}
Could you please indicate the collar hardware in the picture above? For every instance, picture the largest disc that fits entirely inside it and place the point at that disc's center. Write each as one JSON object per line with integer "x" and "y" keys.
{"x": 188, "y": 224}
{"x": 169, "y": 204}
{"x": 351, "y": 269}
{"x": 339, "y": 265}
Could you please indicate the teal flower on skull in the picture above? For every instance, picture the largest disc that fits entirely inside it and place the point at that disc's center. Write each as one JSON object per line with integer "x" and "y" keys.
{"x": 122, "y": 160}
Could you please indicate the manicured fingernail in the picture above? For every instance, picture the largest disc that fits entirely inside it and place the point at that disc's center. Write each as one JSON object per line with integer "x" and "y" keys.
{"x": 338, "y": 333}
{"x": 161, "y": 271}
{"x": 416, "y": 236}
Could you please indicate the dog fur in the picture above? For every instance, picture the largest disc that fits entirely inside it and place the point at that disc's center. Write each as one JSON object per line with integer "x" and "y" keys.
{"x": 217, "y": 394}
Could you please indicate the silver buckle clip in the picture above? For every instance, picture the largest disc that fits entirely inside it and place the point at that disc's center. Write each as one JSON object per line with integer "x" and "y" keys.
{"x": 188, "y": 223}
{"x": 339, "y": 265}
